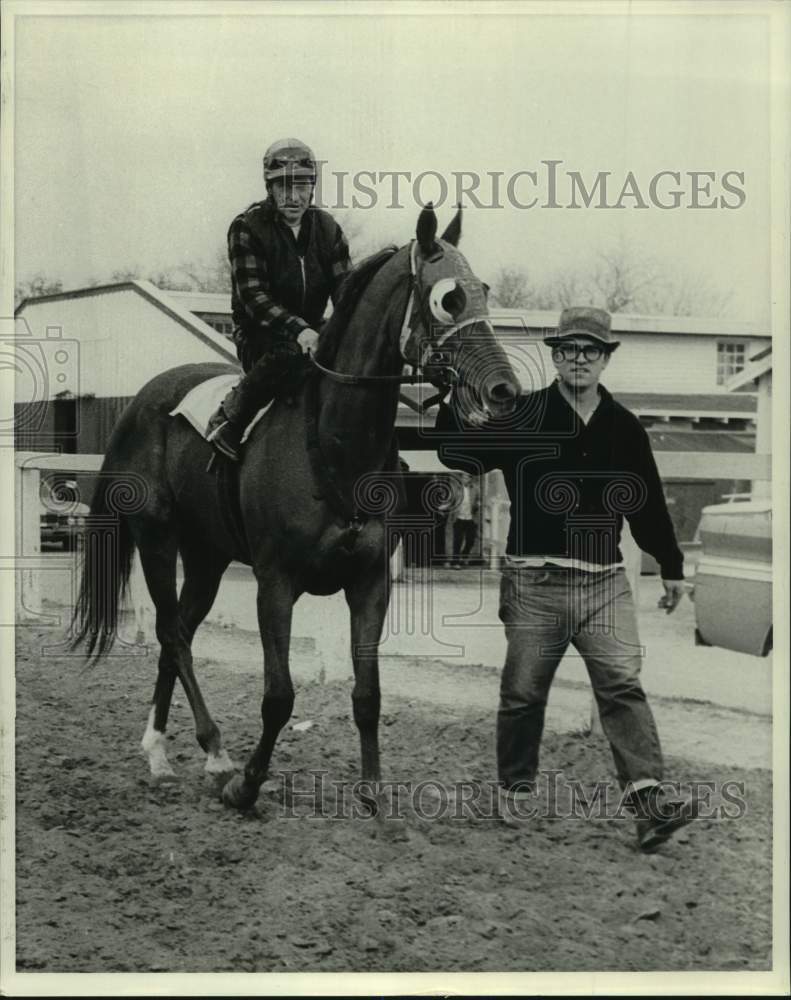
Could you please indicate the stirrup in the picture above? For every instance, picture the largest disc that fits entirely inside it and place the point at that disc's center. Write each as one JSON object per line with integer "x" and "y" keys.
{"x": 220, "y": 444}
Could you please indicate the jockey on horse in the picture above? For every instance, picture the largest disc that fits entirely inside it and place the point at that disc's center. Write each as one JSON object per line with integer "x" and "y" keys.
{"x": 287, "y": 259}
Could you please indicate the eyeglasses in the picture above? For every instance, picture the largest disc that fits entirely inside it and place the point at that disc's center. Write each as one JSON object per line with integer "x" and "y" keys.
{"x": 570, "y": 352}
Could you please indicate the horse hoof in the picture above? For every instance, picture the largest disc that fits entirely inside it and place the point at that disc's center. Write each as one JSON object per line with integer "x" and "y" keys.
{"x": 219, "y": 770}
{"x": 221, "y": 765}
{"x": 238, "y": 794}
{"x": 162, "y": 779}
{"x": 215, "y": 782}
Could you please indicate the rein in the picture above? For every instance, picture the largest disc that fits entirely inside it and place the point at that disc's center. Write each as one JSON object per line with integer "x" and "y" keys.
{"x": 419, "y": 295}
{"x": 330, "y": 486}
{"x": 348, "y": 379}
{"x": 413, "y": 379}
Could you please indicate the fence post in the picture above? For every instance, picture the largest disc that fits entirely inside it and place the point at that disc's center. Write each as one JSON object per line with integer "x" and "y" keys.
{"x": 397, "y": 562}
{"x": 494, "y": 532}
{"x": 27, "y": 547}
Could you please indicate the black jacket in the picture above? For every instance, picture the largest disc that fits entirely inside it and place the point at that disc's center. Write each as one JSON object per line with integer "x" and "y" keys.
{"x": 280, "y": 285}
{"x": 570, "y": 483}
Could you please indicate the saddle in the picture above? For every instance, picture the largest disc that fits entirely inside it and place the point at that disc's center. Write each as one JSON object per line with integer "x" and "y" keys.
{"x": 203, "y": 400}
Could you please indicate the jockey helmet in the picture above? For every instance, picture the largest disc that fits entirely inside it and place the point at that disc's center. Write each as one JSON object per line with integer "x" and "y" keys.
{"x": 289, "y": 158}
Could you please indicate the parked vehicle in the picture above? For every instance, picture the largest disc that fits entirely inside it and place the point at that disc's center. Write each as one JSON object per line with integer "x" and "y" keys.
{"x": 62, "y": 516}
{"x": 733, "y": 582}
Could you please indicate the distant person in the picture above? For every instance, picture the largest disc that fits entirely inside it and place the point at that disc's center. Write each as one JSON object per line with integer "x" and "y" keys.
{"x": 575, "y": 462}
{"x": 465, "y": 524}
{"x": 287, "y": 259}
{"x": 439, "y": 499}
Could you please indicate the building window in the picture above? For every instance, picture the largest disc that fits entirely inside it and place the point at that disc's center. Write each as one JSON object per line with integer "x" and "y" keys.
{"x": 225, "y": 327}
{"x": 730, "y": 359}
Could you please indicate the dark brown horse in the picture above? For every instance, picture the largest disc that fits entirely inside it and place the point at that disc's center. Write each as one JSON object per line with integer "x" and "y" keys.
{"x": 314, "y": 488}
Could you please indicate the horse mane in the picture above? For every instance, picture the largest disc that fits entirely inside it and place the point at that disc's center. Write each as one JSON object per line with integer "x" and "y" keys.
{"x": 354, "y": 284}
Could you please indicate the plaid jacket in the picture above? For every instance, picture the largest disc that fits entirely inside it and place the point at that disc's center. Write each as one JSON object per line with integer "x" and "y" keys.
{"x": 280, "y": 285}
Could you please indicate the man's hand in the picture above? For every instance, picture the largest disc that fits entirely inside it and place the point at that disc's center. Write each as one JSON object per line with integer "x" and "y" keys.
{"x": 473, "y": 417}
{"x": 674, "y": 591}
{"x": 308, "y": 340}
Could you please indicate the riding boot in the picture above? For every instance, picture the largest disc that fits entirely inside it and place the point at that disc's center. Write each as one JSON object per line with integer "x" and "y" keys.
{"x": 246, "y": 398}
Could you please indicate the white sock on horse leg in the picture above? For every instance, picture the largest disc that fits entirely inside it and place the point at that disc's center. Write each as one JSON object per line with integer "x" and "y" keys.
{"x": 153, "y": 744}
{"x": 219, "y": 763}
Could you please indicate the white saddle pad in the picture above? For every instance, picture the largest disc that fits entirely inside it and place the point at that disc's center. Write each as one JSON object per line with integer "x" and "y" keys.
{"x": 201, "y": 402}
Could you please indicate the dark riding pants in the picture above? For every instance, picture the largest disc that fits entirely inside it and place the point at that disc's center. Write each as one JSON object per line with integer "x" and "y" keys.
{"x": 268, "y": 367}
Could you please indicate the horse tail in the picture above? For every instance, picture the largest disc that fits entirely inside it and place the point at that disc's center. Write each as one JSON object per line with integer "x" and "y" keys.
{"x": 107, "y": 554}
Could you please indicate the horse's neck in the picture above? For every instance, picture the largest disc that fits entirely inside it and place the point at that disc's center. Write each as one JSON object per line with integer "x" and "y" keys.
{"x": 357, "y": 422}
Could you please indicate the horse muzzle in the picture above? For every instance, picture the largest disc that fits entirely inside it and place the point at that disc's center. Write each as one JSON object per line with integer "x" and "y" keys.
{"x": 486, "y": 371}
{"x": 471, "y": 361}
{"x": 500, "y": 393}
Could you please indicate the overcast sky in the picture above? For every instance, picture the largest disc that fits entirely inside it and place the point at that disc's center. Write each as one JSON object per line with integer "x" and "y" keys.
{"x": 137, "y": 139}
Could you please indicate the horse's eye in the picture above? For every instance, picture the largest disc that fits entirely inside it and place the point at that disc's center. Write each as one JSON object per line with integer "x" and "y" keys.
{"x": 454, "y": 301}
{"x": 447, "y": 300}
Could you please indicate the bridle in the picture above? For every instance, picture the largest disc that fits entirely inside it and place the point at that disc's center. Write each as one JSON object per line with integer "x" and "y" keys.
{"x": 417, "y": 303}
{"x": 418, "y": 316}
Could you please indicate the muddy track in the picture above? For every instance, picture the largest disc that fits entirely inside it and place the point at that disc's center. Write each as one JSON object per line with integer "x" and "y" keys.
{"x": 114, "y": 874}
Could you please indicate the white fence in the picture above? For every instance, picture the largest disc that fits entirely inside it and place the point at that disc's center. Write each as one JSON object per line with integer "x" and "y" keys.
{"x": 30, "y": 563}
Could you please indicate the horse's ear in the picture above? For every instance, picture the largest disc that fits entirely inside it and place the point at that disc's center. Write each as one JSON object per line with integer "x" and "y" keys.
{"x": 426, "y": 228}
{"x": 453, "y": 232}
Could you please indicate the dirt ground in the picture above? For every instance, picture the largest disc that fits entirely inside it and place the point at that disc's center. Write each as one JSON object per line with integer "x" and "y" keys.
{"x": 115, "y": 874}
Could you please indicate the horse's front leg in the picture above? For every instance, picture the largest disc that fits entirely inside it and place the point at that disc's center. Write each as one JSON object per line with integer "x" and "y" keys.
{"x": 367, "y": 599}
{"x": 275, "y": 607}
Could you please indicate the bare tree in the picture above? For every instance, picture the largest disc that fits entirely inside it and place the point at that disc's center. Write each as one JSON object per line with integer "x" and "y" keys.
{"x": 35, "y": 287}
{"x": 211, "y": 276}
{"x": 565, "y": 288}
{"x": 511, "y": 289}
{"x": 622, "y": 279}
{"x": 192, "y": 276}
{"x": 686, "y": 293}
{"x": 619, "y": 279}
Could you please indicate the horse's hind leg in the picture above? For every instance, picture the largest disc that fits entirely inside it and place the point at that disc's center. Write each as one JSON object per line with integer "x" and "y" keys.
{"x": 203, "y": 569}
{"x": 157, "y": 554}
{"x": 158, "y": 549}
{"x": 275, "y": 607}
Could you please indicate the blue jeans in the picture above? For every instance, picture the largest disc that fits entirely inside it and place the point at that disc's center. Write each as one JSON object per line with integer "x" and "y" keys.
{"x": 544, "y": 610}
